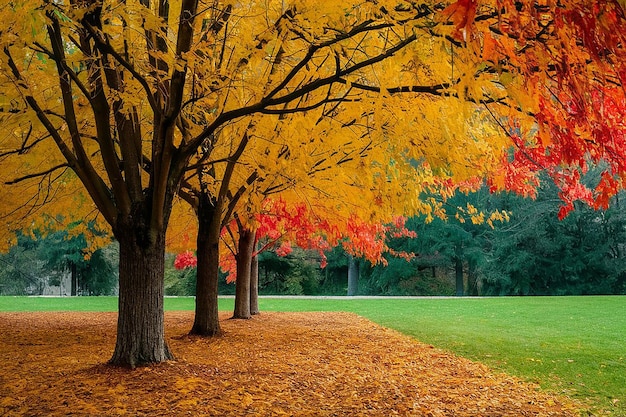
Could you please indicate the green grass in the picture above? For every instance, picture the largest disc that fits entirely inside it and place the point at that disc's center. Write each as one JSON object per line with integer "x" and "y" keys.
{"x": 30, "y": 304}
{"x": 95, "y": 304}
{"x": 570, "y": 345}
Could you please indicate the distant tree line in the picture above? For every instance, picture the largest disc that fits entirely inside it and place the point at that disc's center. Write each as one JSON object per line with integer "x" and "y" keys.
{"x": 41, "y": 259}
{"x": 533, "y": 253}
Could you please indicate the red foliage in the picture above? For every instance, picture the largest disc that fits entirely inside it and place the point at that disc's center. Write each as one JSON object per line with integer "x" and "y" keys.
{"x": 185, "y": 260}
{"x": 368, "y": 240}
{"x": 281, "y": 225}
{"x": 298, "y": 225}
{"x": 284, "y": 249}
{"x": 572, "y": 56}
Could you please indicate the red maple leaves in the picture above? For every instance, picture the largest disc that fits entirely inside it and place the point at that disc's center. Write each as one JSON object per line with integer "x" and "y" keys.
{"x": 572, "y": 58}
{"x": 185, "y": 260}
{"x": 282, "y": 225}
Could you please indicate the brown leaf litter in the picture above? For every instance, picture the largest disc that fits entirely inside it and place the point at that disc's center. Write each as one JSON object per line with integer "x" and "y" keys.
{"x": 276, "y": 364}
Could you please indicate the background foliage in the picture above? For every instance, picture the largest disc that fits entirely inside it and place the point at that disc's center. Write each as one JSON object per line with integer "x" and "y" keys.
{"x": 43, "y": 258}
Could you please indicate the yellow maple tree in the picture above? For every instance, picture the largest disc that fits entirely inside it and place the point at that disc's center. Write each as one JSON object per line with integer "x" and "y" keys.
{"x": 323, "y": 100}
{"x": 370, "y": 146}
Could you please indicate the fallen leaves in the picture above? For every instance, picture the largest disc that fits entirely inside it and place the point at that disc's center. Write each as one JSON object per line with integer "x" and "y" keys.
{"x": 322, "y": 364}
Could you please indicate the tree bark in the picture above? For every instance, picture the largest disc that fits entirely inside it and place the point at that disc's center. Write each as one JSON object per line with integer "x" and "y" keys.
{"x": 254, "y": 285}
{"x": 353, "y": 276}
{"x": 245, "y": 250}
{"x": 206, "y": 320}
{"x": 140, "y": 324}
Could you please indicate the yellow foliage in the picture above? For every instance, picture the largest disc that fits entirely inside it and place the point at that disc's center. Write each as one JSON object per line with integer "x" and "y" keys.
{"x": 368, "y": 144}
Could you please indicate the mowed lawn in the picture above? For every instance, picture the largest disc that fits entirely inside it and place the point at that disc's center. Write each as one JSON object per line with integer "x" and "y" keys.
{"x": 574, "y": 346}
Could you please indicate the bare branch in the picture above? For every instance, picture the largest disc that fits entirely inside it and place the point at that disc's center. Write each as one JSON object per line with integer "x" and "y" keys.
{"x": 38, "y": 174}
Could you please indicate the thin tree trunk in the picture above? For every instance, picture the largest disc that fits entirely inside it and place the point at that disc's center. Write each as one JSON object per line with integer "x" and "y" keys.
{"x": 353, "y": 276}
{"x": 242, "y": 285}
{"x": 206, "y": 320}
{"x": 74, "y": 279}
{"x": 472, "y": 279}
{"x": 458, "y": 269}
{"x": 254, "y": 285}
{"x": 140, "y": 324}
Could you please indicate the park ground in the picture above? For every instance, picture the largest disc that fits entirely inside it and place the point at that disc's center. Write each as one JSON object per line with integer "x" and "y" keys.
{"x": 279, "y": 363}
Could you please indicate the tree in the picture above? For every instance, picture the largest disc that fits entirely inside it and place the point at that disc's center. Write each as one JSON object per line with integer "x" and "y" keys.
{"x": 353, "y": 276}
{"x": 115, "y": 88}
{"x": 99, "y": 277}
{"x": 521, "y": 248}
{"x": 21, "y": 273}
{"x": 43, "y": 257}
{"x": 68, "y": 251}
{"x": 125, "y": 93}
{"x": 536, "y": 254}
{"x": 295, "y": 274}
{"x": 456, "y": 242}
{"x": 326, "y": 131}
{"x": 245, "y": 249}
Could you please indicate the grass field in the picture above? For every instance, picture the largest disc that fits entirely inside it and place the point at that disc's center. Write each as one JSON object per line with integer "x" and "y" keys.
{"x": 570, "y": 345}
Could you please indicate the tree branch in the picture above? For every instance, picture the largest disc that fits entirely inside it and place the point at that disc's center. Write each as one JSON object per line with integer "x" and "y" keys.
{"x": 105, "y": 47}
{"x": 37, "y": 174}
{"x": 234, "y": 199}
{"x": 93, "y": 183}
{"x": 268, "y": 101}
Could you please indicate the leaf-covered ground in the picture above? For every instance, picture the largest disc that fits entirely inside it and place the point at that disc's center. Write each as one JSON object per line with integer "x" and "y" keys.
{"x": 296, "y": 364}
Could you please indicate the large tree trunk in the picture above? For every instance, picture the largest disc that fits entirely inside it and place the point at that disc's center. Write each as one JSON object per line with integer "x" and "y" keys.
{"x": 245, "y": 250}
{"x": 206, "y": 320}
{"x": 254, "y": 285}
{"x": 353, "y": 276}
{"x": 140, "y": 324}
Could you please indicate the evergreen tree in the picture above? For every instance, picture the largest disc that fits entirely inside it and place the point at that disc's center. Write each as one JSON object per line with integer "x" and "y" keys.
{"x": 44, "y": 258}
{"x": 538, "y": 254}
